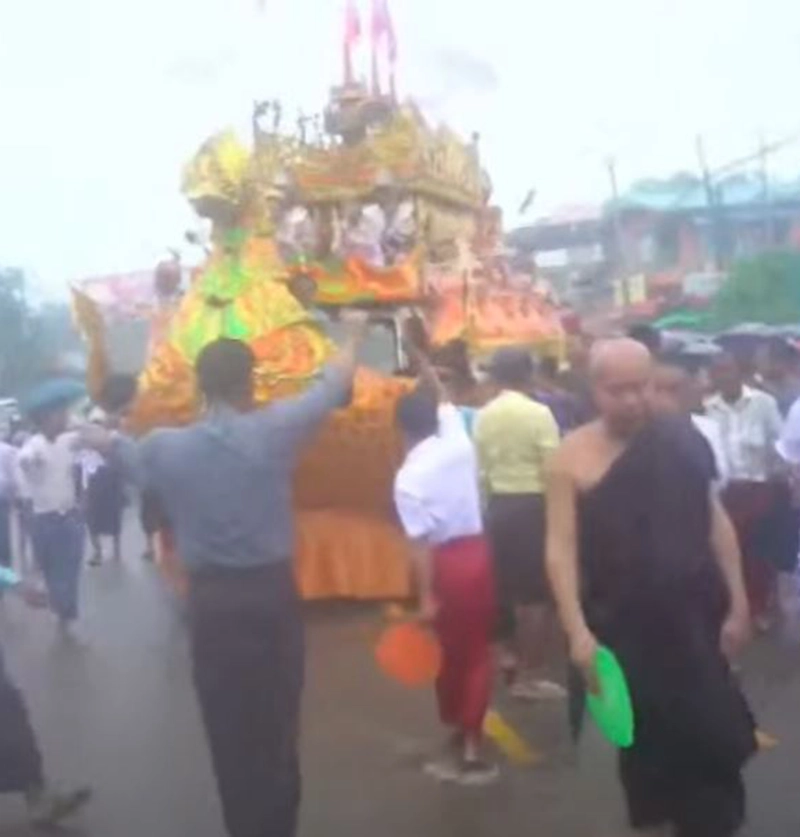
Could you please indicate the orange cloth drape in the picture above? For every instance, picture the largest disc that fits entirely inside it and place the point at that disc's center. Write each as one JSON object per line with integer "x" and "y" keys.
{"x": 338, "y": 555}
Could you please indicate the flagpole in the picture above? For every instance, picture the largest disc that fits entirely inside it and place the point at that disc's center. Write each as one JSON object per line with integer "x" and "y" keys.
{"x": 352, "y": 32}
{"x": 348, "y": 63}
{"x": 376, "y": 82}
{"x": 375, "y": 35}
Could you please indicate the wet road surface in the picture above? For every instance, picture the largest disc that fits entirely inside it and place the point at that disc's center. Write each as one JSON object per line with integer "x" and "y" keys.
{"x": 120, "y": 715}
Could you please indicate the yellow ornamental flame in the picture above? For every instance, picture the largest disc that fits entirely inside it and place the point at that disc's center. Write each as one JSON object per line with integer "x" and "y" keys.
{"x": 218, "y": 170}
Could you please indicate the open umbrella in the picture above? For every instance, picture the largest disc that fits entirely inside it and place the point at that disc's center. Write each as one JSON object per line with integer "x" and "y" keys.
{"x": 52, "y": 394}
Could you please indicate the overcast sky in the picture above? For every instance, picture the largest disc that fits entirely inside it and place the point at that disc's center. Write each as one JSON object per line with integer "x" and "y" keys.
{"x": 101, "y": 101}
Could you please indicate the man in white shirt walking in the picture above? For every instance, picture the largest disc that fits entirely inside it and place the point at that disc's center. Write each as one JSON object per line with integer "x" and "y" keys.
{"x": 749, "y": 422}
{"x": 48, "y": 462}
{"x": 438, "y": 501}
{"x": 676, "y": 391}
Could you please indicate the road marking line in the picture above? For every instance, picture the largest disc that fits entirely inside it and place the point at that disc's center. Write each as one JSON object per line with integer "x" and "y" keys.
{"x": 508, "y": 740}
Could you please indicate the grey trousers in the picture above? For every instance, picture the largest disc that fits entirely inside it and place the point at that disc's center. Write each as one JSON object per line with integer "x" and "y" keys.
{"x": 248, "y": 659}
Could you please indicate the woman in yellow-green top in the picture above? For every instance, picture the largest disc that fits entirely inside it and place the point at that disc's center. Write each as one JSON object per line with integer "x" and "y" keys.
{"x": 514, "y": 436}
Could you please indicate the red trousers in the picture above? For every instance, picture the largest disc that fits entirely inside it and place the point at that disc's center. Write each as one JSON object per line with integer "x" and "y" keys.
{"x": 464, "y": 588}
{"x": 747, "y": 504}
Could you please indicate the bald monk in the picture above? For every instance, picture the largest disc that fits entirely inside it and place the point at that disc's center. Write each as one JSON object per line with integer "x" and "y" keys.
{"x": 643, "y": 559}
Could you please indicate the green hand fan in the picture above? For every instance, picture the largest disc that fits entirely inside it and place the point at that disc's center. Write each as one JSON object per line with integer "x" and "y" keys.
{"x": 611, "y": 707}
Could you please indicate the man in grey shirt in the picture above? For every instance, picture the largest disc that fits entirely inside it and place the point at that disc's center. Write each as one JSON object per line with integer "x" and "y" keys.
{"x": 225, "y": 484}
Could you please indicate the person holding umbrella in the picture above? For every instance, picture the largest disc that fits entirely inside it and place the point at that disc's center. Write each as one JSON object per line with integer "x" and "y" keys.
{"x": 48, "y": 462}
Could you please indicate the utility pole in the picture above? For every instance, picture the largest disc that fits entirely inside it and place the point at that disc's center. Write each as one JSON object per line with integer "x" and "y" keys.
{"x": 619, "y": 238}
{"x": 711, "y": 200}
{"x": 769, "y": 229}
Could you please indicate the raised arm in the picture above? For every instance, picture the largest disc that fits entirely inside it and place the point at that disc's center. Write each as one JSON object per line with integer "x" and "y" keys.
{"x": 134, "y": 457}
{"x": 562, "y": 562}
{"x": 300, "y": 416}
{"x": 728, "y": 555}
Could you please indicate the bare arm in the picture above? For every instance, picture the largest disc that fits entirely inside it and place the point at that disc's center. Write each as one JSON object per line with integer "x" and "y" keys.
{"x": 562, "y": 546}
{"x": 548, "y": 439}
{"x": 423, "y": 571}
{"x": 726, "y": 551}
{"x": 134, "y": 457}
{"x": 562, "y": 565}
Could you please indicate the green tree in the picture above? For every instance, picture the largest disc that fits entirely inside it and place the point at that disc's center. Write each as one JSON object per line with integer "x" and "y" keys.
{"x": 21, "y": 356}
{"x": 762, "y": 289}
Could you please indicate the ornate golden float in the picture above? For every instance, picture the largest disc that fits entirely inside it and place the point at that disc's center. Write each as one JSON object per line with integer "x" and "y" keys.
{"x": 376, "y": 209}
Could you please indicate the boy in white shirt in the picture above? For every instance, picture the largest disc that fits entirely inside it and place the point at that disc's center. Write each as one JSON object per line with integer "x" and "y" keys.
{"x": 438, "y": 502}
{"x": 47, "y": 460}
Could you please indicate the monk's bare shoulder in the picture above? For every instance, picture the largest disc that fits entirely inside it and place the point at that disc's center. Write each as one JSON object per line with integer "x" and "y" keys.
{"x": 573, "y": 449}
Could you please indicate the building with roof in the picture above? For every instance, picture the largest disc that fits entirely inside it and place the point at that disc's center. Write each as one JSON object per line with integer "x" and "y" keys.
{"x": 684, "y": 225}
{"x": 680, "y": 233}
{"x": 573, "y": 248}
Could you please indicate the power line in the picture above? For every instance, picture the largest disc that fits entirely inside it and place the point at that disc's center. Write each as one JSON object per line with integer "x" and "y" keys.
{"x": 764, "y": 149}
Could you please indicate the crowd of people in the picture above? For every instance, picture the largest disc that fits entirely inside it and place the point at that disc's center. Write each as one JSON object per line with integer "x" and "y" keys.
{"x": 644, "y": 501}
{"x": 648, "y": 501}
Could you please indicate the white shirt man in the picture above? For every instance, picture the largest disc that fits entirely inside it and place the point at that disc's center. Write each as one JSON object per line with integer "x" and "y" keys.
{"x": 48, "y": 461}
{"x": 49, "y": 471}
{"x": 439, "y": 505}
{"x": 749, "y": 429}
{"x": 711, "y": 431}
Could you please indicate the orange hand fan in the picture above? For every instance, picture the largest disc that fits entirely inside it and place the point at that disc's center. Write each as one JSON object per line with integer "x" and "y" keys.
{"x": 409, "y": 654}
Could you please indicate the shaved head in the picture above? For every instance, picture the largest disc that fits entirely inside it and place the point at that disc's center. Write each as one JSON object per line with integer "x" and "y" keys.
{"x": 616, "y": 354}
{"x": 621, "y": 373}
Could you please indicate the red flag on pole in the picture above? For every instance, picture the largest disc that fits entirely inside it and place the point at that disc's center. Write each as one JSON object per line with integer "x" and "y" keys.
{"x": 383, "y": 30}
{"x": 352, "y": 34}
